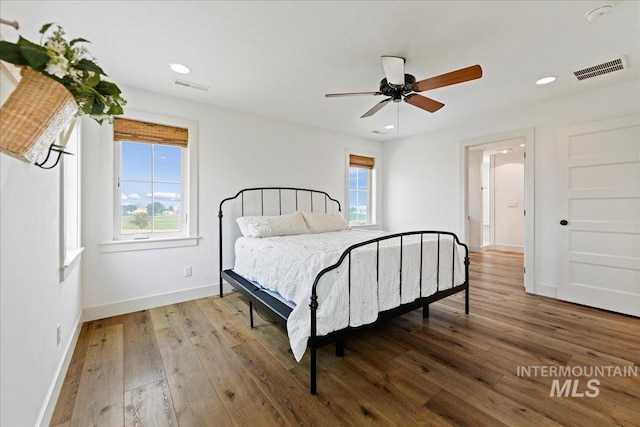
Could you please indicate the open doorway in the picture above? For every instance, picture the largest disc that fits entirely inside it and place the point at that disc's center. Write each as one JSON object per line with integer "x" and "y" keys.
{"x": 496, "y": 196}
{"x": 499, "y": 217}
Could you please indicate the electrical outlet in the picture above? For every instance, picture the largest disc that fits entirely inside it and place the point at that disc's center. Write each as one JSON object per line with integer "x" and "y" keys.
{"x": 187, "y": 271}
{"x": 58, "y": 334}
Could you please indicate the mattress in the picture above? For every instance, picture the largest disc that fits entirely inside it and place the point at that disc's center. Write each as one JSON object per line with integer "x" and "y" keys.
{"x": 289, "y": 265}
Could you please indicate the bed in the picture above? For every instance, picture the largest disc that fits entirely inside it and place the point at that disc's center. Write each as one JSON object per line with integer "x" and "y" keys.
{"x": 296, "y": 257}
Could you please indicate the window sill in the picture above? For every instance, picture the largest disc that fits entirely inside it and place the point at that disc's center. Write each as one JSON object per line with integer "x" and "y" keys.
{"x": 71, "y": 259}
{"x": 143, "y": 245}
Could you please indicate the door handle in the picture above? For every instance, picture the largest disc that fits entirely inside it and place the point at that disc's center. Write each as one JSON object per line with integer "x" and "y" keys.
{"x": 564, "y": 222}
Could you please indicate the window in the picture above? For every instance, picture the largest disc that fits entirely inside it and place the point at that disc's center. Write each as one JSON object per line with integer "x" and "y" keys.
{"x": 360, "y": 189}
{"x": 152, "y": 180}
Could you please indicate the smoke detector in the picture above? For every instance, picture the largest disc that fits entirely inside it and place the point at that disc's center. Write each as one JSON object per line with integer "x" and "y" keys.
{"x": 601, "y": 10}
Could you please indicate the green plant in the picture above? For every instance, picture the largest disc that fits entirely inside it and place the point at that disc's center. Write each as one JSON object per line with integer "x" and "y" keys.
{"x": 69, "y": 63}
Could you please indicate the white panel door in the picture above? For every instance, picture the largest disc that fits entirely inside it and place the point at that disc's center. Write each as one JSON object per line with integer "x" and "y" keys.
{"x": 599, "y": 222}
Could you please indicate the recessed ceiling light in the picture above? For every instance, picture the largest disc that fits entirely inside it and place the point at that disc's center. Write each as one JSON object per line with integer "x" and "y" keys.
{"x": 180, "y": 68}
{"x": 545, "y": 80}
{"x": 521, "y": 145}
{"x": 389, "y": 126}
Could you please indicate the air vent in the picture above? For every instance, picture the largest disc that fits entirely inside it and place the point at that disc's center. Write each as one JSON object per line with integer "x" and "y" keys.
{"x": 597, "y": 70}
{"x": 378, "y": 132}
{"x": 191, "y": 85}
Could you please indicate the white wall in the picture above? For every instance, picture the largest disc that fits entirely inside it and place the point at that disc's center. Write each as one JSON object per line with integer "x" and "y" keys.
{"x": 236, "y": 150}
{"x": 33, "y": 300}
{"x": 425, "y": 169}
{"x": 508, "y": 189}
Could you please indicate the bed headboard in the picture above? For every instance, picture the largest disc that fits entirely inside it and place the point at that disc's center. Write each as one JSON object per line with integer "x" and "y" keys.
{"x": 273, "y": 201}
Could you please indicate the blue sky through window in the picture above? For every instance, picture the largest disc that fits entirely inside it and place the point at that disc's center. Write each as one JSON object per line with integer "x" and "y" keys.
{"x": 151, "y": 173}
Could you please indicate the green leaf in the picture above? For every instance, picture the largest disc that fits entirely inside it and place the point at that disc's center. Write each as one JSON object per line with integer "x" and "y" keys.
{"x": 85, "y": 64}
{"x": 115, "y": 110}
{"x": 35, "y": 57}
{"x": 45, "y": 27}
{"x": 10, "y": 52}
{"x": 87, "y": 104}
{"x": 98, "y": 107}
{"x": 24, "y": 42}
{"x": 89, "y": 93}
{"x": 78, "y": 40}
{"x": 108, "y": 88}
{"x": 93, "y": 80}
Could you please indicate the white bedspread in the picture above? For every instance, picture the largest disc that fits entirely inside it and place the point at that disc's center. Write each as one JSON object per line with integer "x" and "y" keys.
{"x": 289, "y": 265}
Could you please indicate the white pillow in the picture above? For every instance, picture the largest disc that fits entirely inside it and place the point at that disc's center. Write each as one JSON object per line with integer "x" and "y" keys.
{"x": 270, "y": 226}
{"x": 244, "y": 227}
{"x": 320, "y": 222}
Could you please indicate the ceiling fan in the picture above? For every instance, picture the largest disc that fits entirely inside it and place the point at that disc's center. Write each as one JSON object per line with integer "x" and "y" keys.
{"x": 398, "y": 86}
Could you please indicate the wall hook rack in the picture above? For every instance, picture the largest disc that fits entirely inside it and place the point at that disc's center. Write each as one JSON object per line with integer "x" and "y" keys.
{"x": 53, "y": 148}
{"x": 58, "y": 148}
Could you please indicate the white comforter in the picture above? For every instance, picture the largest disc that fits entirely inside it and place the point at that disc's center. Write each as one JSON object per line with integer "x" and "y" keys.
{"x": 289, "y": 264}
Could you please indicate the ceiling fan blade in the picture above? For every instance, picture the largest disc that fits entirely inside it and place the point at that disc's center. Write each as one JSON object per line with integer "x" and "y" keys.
{"x": 393, "y": 69}
{"x": 428, "y": 104}
{"x": 376, "y": 108}
{"x": 335, "y": 95}
{"x": 452, "y": 78}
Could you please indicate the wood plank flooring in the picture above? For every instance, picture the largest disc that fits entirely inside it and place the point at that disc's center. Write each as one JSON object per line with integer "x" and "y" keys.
{"x": 200, "y": 364}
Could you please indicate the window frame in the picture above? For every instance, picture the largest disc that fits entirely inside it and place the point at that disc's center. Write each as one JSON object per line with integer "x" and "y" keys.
{"x": 372, "y": 193}
{"x": 189, "y": 234}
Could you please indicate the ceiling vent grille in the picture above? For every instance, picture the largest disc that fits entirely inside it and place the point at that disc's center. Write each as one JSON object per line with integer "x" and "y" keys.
{"x": 604, "y": 68}
{"x": 192, "y": 85}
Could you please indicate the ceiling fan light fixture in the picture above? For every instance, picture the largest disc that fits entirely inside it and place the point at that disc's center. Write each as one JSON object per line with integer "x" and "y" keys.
{"x": 546, "y": 80}
{"x": 180, "y": 68}
{"x": 393, "y": 69}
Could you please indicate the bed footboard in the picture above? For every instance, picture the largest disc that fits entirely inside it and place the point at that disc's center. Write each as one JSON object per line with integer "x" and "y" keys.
{"x": 316, "y": 341}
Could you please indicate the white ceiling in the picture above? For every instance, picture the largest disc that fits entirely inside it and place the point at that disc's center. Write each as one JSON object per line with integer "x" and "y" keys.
{"x": 278, "y": 59}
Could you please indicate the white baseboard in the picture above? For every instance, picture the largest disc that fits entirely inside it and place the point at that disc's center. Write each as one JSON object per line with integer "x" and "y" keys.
{"x": 46, "y": 413}
{"x": 129, "y": 306}
{"x": 546, "y": 290}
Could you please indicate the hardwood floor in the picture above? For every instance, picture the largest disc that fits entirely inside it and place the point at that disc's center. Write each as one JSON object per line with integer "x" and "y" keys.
{"x": 199, "y": 364}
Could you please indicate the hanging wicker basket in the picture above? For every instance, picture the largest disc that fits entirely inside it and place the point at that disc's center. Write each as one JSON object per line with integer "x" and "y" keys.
{"x": 34, "y": 115}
